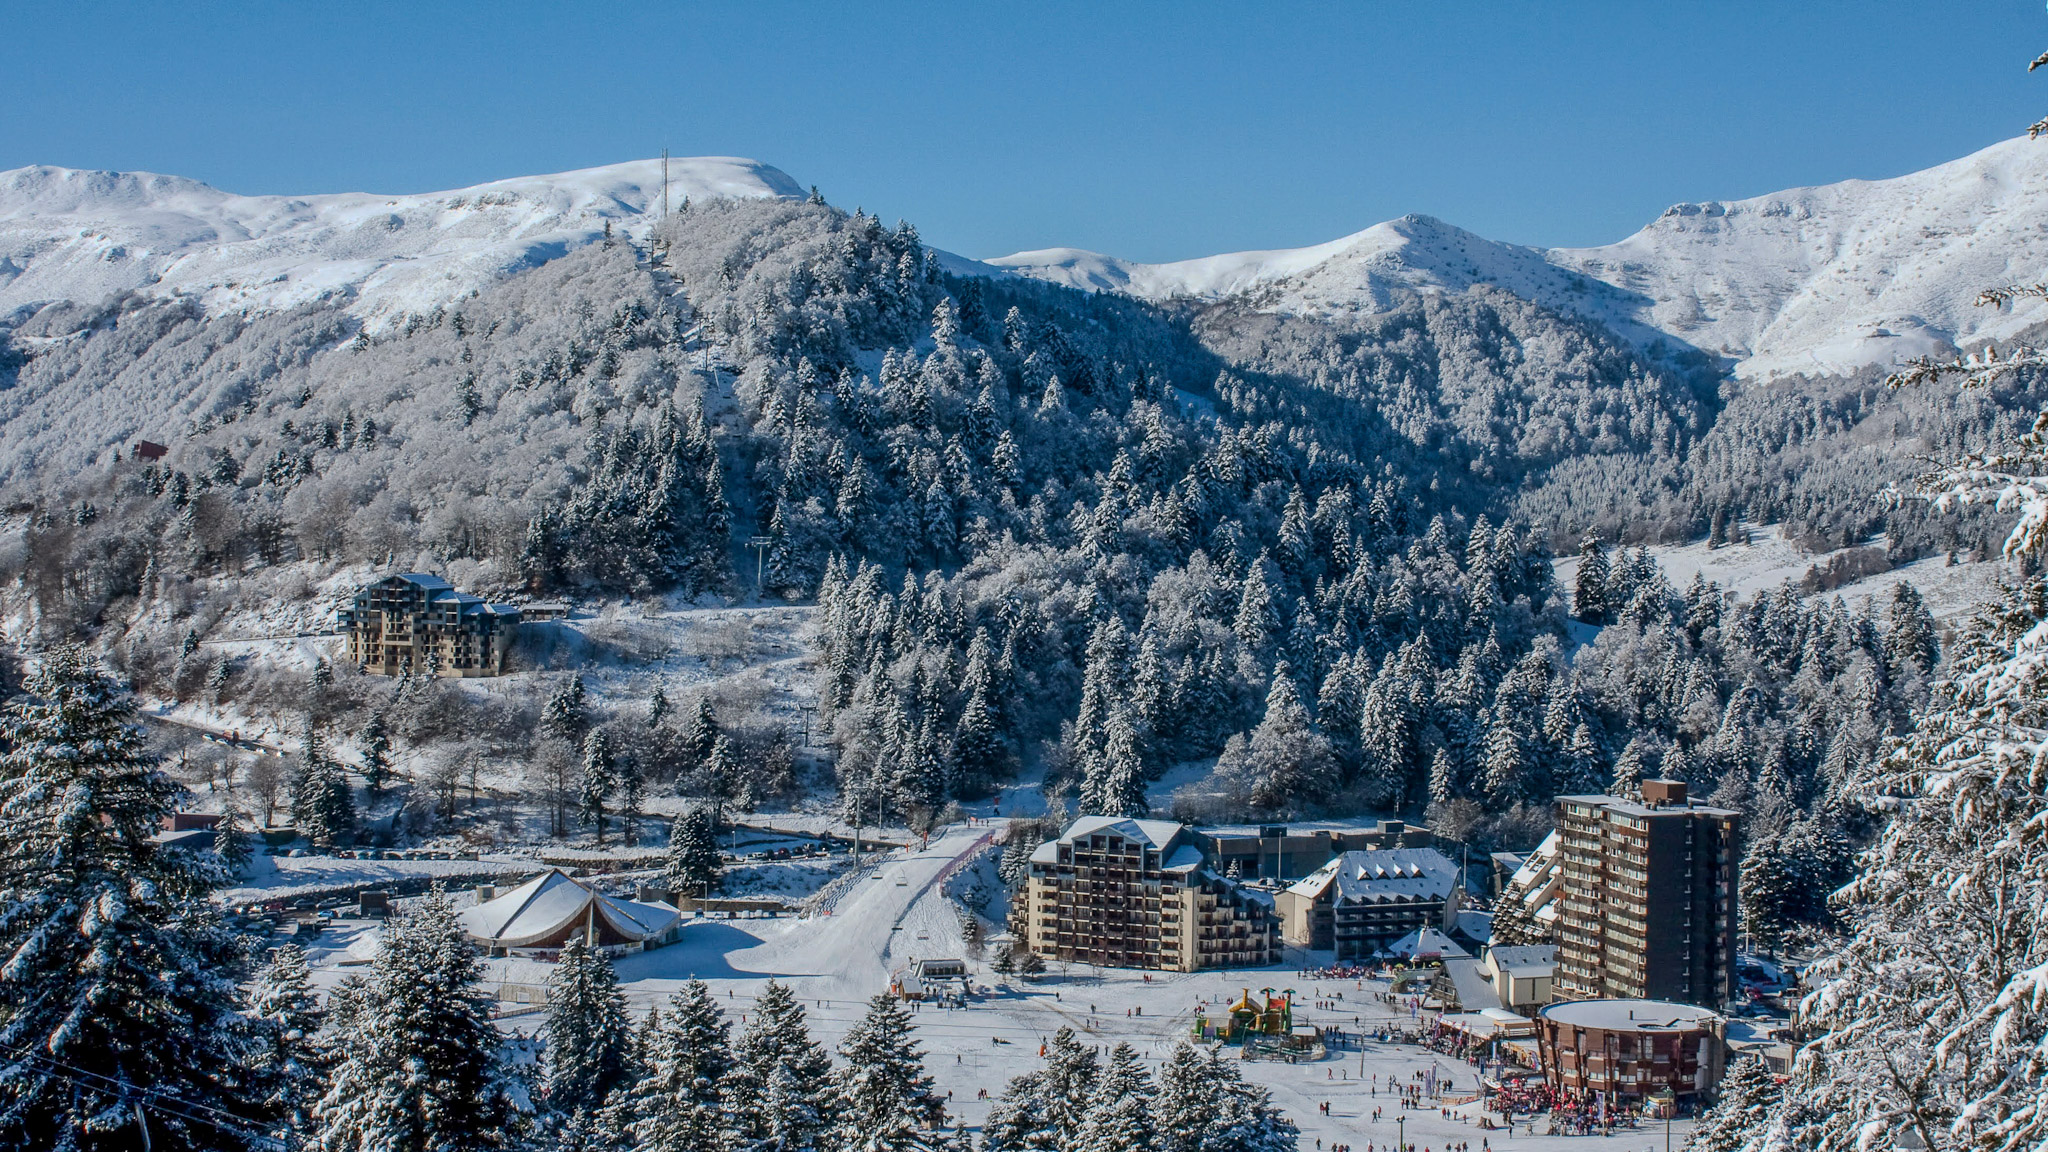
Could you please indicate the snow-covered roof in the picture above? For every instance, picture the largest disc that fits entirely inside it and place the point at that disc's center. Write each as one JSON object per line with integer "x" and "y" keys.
{"x": 1158, "y": 833}
{"x": 1427, "y": 942}
{"x": 1185, "y": 858}
{"x": 554, "y": 902}
{"x": 1630, "y": 1015}
{"x": 423, "y": 579}
{"x": 1629, "y": 807}
{"x": 1475, "y": 990}
{"x": 1523, "y": 959}
{"x": 1388, "y": 874}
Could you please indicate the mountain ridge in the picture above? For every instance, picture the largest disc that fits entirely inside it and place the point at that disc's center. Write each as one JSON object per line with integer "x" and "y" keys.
{"x": 78, "y": 234}
{"x": 1823, "y": 279}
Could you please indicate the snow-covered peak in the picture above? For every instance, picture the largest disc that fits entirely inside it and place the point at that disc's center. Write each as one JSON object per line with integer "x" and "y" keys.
{"x": 1822, "y": 279}
{"x": 82, "y": 235}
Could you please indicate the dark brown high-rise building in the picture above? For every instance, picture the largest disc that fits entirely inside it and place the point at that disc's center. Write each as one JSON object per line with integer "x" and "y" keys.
{"x": 1647, "y": 897}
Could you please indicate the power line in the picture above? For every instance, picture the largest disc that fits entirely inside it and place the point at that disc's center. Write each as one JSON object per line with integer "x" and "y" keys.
{"x": 169, "y": 1105}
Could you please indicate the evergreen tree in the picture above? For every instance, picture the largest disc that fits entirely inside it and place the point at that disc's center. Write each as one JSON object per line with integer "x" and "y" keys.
{"x": 776, "y": 1063}
{"x": 421, "y": 1068}
{"x": 231, "y": 841}
{"x": 1115, "y": 783}
{"x": 374, "y": 743}
{"x": 1119, "y": 1117}
{"x": 1909, "y": 639}
{"x": 111, "y": 964}
{"x": 677, "y": 1106}
{"x": 1589, "y": 594}
{"x": 586, "y": 1029}
{"x": 600, "y": 779}
{"x": 884, "y": 1099}
{"x": 694, "y": 865}
{"x": 566, "y": 715}
{"x": 290, "y": 1060}
{"x": 321, "y": 801}
{"x": 657, "y": 707}
{"x": 703, "y": 734}
{"x": 978, "y": 757}
{"x": 1768, "y": 887}
{"x": 1246, "y": 1120}
{"x": 1068, "y": 1083}
{"x": 1017, "y": 1120}
{"x": 1743, "y": 1103}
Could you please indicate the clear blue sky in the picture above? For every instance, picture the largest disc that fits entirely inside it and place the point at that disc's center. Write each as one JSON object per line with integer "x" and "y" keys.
{"x": 1151, "y": 131}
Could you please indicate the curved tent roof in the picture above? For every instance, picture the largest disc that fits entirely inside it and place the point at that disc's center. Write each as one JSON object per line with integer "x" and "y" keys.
{"x": 550, "y": 908}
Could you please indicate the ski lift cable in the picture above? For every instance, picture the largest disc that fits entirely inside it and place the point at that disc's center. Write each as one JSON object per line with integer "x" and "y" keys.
{"x": 135, "y": 1093}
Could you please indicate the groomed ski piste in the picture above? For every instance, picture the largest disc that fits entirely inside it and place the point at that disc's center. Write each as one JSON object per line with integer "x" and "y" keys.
{"x": 901, "y": 912}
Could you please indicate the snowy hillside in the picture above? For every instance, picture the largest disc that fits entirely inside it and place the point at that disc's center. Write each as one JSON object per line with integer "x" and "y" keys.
{"x": 1812, "y": 280}
{"x": 67, "y": 234}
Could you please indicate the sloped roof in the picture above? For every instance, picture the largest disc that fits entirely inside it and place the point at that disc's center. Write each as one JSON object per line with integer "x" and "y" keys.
{"x": 1427, "y": 942}
{"x": 423, "y": 579}
{"x": 554, "y": 901}
{"x": 1157, "y": 833}
{"x": 1389, "y": 874}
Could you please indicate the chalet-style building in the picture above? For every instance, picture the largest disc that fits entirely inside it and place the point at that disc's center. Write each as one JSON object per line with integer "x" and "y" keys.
{"x": 1362, "y": 902}
{"x": 419, "y": 623}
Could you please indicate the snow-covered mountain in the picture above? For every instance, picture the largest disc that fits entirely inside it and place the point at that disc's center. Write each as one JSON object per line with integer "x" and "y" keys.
{"x": 1822, "y": 279}
{"x": 79, "y": 235}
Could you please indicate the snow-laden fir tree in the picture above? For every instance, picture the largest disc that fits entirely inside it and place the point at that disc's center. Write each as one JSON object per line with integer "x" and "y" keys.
{"x": 419, "y": 1064}
{"x": 231, "y": 838}
{"x": 586, "y": 1028}
{"x": 677, "y": 1104}
{"x": 291, "y": 1060}
{"x": 566, "y": 714}
{"x": 1933, "y": 1018}
{"x": 1120, "y": 1115}
{"x": 883, "y": 1098}
{"x": 321, "y": 802}
{"x": 693, "y": 865}
{"x": 782, "y": 1076}
{"x": 1204, "y": 1105}
{"x": 1017, "y": 1120}
{"x": 1743, "y": 1104}
{"x": 110, "y": 961}
{"x": 1068, "y": 1083}
{"x": 374, "y": 743}
{"x": 1589, "y": 594}
{"x": 600, "y": 779}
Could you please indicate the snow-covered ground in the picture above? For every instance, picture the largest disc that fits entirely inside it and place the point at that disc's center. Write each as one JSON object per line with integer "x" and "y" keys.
{"x": 836, "y": 962}
{"x": 1769, "y": 560}
{"x": 84, "y": 235}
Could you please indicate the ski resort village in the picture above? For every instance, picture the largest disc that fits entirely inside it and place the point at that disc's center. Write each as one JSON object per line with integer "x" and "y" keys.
{"x": 657, "y": 656}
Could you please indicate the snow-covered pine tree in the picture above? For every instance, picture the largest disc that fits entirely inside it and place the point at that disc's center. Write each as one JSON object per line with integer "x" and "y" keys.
{"x": 566, "y": 714}
{"x": 110, "y": 962}
{"x": 586, "y": 1030}
{"x": 776, "y": 1063}
{"x": 1068, "y": 1083}
{"x": 1245, "y": 1119}
{"x": 1017, "y": 1120}
{"x": 321, "y": 803}
{"x": 1186, "y": 1110}
{"x": 884, "y": 1100}
{"x": 420, "y": 1065}
{"x": 1933, "y": 1018}
{"x": 600, "y": 779}
{"x": 290, "y": 1059}
{"x": 1743, "y": 1103}
{"x": 231, "y": 841}
{"x": 702, "y": 735}
{"x": 374, "y": 743}
{"x": 657, "y": 707}
{"x": 1589, "y": 593}
{"x": 693, "y": 866}
{"x": 677, "y": 1105}
{"x": 1119, "y": 1117}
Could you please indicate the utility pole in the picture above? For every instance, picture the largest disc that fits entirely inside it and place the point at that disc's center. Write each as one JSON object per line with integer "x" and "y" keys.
{"x": 760, "y": 545}
{"x": 806, "y": 710}
{"x": 664, "y": 183}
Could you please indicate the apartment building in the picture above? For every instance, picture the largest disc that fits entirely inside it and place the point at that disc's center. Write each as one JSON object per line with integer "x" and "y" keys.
{"x": 419, "y": 623}
{"x": 1292, "y": 851}
{"x": 1130, "y": 893}
{"x": 1646, "y": 901}
{"x": 1361, "y": 902}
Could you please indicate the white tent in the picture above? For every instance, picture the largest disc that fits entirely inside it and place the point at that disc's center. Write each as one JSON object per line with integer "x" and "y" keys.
{"x": 553, "y": 907}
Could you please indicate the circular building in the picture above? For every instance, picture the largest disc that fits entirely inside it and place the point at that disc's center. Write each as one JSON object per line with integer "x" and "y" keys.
{"x": 1631, "y": 1048}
